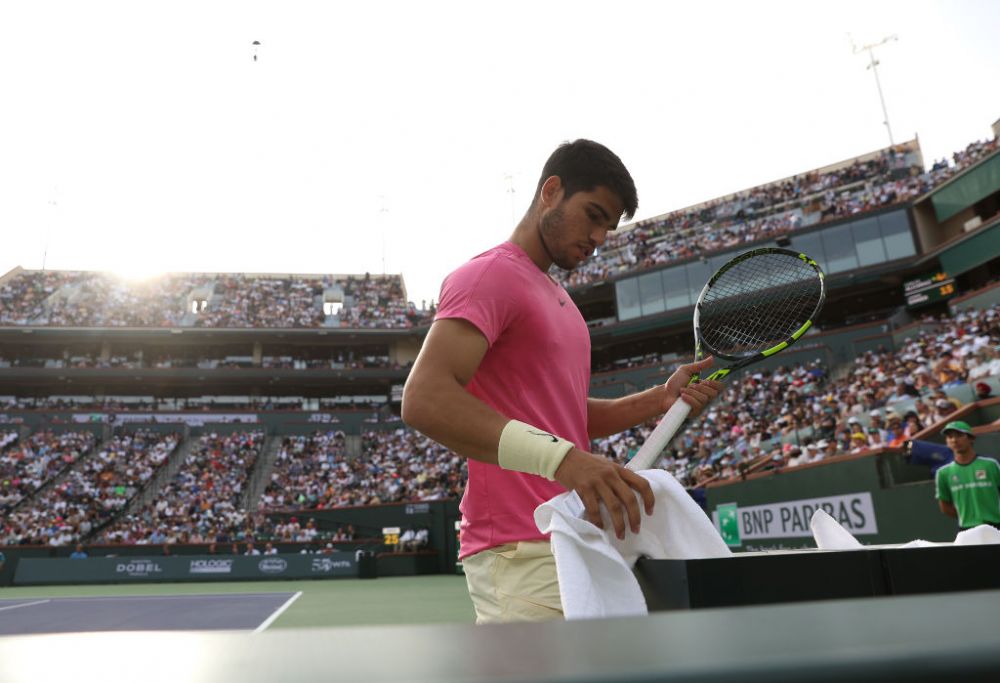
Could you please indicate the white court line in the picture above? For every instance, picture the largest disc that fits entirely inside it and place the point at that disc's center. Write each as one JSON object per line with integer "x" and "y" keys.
{"x": 234, "y": 596}
{"x": 270, "y": 619}
{"x": 25, "y": 604}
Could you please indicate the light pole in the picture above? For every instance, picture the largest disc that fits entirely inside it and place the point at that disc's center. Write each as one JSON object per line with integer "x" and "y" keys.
{"x": 873, "y": 65}
{"x": 509, "y": 177}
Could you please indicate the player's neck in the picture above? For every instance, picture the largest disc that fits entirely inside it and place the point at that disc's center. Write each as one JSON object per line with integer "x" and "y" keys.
{"x": 526, "y": 235}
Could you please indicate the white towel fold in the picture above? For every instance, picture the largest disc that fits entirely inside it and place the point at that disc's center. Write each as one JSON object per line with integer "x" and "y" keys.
{"x": 595, "y": 567}
{"x": 830, "y": 535}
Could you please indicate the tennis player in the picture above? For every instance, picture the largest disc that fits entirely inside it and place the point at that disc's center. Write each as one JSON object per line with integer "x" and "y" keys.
{"x": 503, "y": 376}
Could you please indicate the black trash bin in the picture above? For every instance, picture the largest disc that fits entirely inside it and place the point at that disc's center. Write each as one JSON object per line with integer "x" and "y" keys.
{"x": 367, "y": 566}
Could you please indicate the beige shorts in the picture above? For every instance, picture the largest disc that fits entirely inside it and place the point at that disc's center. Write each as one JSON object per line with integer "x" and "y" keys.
{"x": 514, "y": 582}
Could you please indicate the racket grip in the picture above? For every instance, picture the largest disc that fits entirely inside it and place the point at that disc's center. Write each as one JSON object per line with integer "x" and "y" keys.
{"x": 660, "y": 437}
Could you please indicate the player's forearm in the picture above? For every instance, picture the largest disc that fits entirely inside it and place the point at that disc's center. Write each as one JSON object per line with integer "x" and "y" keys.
{"x": 948, "y": 508}
{"x": 611, "y": 416}
{"x": 443, "y": 410}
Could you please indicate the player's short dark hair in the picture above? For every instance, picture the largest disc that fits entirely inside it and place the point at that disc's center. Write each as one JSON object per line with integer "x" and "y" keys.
{"x": 583, "y": 165}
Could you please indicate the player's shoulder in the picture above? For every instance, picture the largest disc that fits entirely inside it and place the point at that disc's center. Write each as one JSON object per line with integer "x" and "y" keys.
{"x": 493, "y": 264}
{"x": 989, "y": 460}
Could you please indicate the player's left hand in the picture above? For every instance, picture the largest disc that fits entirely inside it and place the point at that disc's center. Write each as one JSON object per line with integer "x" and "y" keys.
{"x": 698, "y": 394}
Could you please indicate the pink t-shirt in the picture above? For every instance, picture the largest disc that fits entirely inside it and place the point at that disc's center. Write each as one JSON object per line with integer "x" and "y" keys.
{"x": 537, "y": 370}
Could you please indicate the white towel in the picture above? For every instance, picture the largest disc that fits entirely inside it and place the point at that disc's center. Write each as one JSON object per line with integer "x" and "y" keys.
{"x": 595, "y": 567}
{"x": 830, "y": 535}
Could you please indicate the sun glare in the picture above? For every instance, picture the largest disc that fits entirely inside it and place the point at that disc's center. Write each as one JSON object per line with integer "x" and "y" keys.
{"x": 134, "y": 273}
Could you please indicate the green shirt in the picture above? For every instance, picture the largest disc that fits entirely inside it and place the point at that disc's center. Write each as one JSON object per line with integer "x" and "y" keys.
{"x": 973, "y": 489}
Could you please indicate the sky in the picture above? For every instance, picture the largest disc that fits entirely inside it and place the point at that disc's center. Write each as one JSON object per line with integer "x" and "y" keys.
{"x": 406, "y": 137}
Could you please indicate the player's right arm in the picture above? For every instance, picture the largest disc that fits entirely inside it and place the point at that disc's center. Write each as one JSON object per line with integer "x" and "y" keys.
{"x": 436, "y": 403}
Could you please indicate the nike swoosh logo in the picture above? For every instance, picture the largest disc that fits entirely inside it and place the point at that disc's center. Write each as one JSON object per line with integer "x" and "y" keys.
{"x": 554, "y": 439}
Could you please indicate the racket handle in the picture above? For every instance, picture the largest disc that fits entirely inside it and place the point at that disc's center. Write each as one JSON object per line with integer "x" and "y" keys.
{"x": 661, "y": 436}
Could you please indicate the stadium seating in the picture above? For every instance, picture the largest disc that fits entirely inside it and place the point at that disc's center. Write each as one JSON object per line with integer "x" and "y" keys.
{"x": 202, "y": 501}
{"x": 90, "y": 299}
{"x": 97, "y": 487}
{"x": 768, "y": 211}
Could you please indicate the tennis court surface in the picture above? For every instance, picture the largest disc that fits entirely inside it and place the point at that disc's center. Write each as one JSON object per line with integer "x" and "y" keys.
{"x": 202, "y": 612}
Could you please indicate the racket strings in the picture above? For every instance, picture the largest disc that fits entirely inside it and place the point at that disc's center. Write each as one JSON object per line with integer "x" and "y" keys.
{"x": 758, "y": 303}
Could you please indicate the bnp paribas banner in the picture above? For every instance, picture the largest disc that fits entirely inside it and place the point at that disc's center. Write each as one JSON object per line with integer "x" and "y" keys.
{"x": 790, "y": 519}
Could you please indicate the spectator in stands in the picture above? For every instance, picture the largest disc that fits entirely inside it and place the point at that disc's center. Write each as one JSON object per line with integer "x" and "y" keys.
{"x": 983, "y": 391}
{"x": 859, "y": 443}
{"x": 894, "y": 429}
{"x": 912, "y": 425}
{"x": 78, "y": 553}
{"x": 968, "y": 488}
{"x": 250, "y": 549}
{"x": 827, "y": 449}
{"x": 405, "y": 540}
{"x": 942, "y": 409}
{"x": 986, "y": 363}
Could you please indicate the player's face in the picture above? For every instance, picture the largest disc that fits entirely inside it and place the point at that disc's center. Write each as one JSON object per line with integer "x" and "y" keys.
{"x": 576, "y": 226}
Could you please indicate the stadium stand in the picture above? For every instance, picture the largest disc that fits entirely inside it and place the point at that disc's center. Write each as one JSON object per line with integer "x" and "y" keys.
{"x": 315, "y": 472}
{"x": 886, "y": 177}
{"x": 202, "y": 501}
{"x": 26, "y": 467}
{"x": 97, "y": 487}
{"x": 88, "y": 299}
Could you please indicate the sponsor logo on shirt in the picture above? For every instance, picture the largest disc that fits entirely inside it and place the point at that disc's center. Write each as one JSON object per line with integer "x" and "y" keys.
{"x": 980, "y": 474}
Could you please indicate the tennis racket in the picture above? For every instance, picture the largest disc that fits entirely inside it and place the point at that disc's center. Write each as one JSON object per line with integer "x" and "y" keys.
{"x": 755, "y": 306}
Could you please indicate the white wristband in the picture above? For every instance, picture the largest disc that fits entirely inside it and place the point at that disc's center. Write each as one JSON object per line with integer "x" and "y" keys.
{"x": 524, "y": 448}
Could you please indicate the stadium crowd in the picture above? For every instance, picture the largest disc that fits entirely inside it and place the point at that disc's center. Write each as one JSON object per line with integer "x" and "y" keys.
{"x": 793, "y": 416}
{"x": 377, "y": 302}
{"x": 93, "y": 299}
{"x": 768, "y": 211}
{"x": 201, "y": 504}
{"x": 102, "y": 300}
{"x": 97, "y": 487}
{"x": 75, "y": 360}
{"x": 26, "y": 466}
{"x": 265, "y": 302}
{"x": 314, "y": 472}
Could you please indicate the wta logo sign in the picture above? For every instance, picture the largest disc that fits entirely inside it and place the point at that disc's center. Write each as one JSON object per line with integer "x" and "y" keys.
{"x": 790, "y": 519}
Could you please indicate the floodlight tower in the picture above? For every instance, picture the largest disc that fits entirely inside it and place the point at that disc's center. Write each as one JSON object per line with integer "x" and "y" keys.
{"x": 382, "y": 218}
{"x": 873, "y": 65}
{"x": 509, "y": 177}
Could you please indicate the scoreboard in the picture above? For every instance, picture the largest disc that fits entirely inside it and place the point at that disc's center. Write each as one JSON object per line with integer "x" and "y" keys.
{"x": 928, "y": 289}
